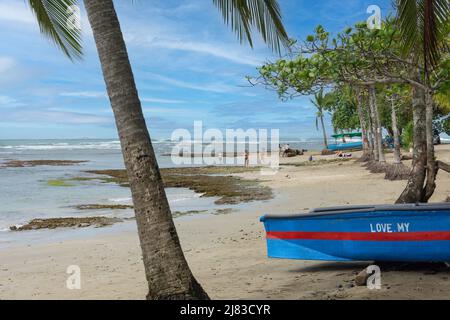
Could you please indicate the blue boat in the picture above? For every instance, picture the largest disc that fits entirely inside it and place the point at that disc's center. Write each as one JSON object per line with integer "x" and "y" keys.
{"x": 406, "y": 232}
{"x": 349, "y": 141}
{"x": 345, "y": 146}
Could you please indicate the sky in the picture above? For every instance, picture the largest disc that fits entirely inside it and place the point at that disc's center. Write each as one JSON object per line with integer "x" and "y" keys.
{"x": 188, "y": 65}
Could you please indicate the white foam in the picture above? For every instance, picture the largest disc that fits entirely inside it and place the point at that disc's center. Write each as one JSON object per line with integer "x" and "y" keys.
{"x": 120, "y": 199}
{"x": 104, "y": 145}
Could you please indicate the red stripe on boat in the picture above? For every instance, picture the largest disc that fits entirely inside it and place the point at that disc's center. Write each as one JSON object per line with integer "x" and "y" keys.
{"x": 362, "y": 236}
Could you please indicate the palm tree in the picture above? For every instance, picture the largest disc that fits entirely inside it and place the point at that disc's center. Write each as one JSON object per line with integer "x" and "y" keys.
{"x": 320, "y": 102}
{"x": 423, "y": 25}
{"x": 167, "y": 272}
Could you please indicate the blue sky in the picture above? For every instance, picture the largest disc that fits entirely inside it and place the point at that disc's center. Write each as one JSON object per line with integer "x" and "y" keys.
{"x": 188, "y": 66}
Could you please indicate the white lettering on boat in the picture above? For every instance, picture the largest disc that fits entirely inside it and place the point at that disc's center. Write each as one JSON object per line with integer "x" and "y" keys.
{"x": 388, "y": 227}
{"x": 402, "y": 227}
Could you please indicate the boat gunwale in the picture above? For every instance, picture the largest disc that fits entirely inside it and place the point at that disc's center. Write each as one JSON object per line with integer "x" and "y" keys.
{"x": 339, "y": 210}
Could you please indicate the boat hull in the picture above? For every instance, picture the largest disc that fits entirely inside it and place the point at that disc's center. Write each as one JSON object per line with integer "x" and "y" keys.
{"x": 345, "y": 146}
{"x": 381, "y": 233}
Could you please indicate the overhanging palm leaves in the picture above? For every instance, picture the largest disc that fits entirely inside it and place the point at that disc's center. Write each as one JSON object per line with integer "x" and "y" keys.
{"x": 265, "y": 15}
{"x": 53, "y": 17}
{"x": 423, "y": 25}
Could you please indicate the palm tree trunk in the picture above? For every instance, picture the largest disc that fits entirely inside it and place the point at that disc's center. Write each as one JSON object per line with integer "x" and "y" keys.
{"x": 397, "y": 153}
{"x": 414, "y": 188}
{"x": 378, "y": 132}
{"x": 431, "y": 160}
{"x": 167, "y": 271}
{"x": 325, "y": 140}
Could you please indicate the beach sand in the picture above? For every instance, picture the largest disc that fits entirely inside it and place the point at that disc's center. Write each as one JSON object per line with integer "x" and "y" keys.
{"x": 227, "y": 252}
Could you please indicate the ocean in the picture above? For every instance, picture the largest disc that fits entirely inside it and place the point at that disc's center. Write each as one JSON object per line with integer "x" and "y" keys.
{"x": 25, "y": 193}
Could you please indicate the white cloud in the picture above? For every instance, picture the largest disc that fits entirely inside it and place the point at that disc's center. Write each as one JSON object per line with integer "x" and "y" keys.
{"x": 210, "y": 87}
{"x": 228, "y": 53}
{"x": 55, "y": 117}
{"x": 8, "y": 101}
{"x": 157, "y": 100}
{"x": 6, "y": 63}
{"x": 16, "y": 11}
{"x": 84, "y": 94}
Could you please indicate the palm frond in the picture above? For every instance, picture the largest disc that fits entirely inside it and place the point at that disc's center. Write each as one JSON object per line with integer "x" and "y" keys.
{"x": 53, "y": 17}
{"x": 264, "y": 15}
{"x": 423, "y": 26}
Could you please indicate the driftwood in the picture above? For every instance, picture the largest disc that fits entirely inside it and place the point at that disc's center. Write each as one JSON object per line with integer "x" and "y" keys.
{"x": 407, "y": 157}
{"x": 289, "y": 153}
{"x": 443, "y": 166}
{"x": 327, "y": 152}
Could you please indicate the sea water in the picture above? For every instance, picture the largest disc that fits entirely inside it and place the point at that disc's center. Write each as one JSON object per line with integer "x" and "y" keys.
{"x": 25, "y": 193}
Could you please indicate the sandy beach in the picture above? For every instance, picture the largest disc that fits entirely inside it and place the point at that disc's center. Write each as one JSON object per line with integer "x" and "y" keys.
{"x": 227, "y": 252}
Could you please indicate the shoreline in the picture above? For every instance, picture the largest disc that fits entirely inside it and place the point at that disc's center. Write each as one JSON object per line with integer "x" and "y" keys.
{"x": 227, "y": 253}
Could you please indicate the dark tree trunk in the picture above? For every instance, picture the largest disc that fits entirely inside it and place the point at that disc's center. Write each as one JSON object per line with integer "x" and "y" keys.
{"x": 414, "y": 188}
{"x": 167, "y": 271}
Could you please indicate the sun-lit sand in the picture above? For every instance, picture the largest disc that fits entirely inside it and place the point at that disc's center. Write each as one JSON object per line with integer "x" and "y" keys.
{"x": 227, "y": 252}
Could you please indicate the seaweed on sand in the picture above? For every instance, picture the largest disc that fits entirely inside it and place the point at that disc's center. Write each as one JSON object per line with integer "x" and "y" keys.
{"x": 53, "y": 223}
{"x": 229, "y": 189}
{"x": 35, "y": 163}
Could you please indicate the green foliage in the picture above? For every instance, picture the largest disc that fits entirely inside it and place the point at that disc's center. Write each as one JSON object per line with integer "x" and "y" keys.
{"x": 355, "y": 57}
{"x": 52, "y": 17}
{"x": 408, "y": 136}
{"x": 343, "y": 107}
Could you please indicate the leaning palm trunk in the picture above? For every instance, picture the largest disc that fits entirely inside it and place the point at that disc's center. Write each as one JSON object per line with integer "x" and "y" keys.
{"x": 167, "y": 271}
{"x": 414, "y": 189}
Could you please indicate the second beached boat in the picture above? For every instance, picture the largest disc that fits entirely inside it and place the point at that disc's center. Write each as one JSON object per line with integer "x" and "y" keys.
{"x": 346, "y": 141}
{"x": 409, "y": 232}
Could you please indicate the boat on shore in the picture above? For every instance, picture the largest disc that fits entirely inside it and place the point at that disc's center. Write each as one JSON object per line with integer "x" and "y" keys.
{"x": 403, "y": 232}
{"x": 347, "y": 141}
